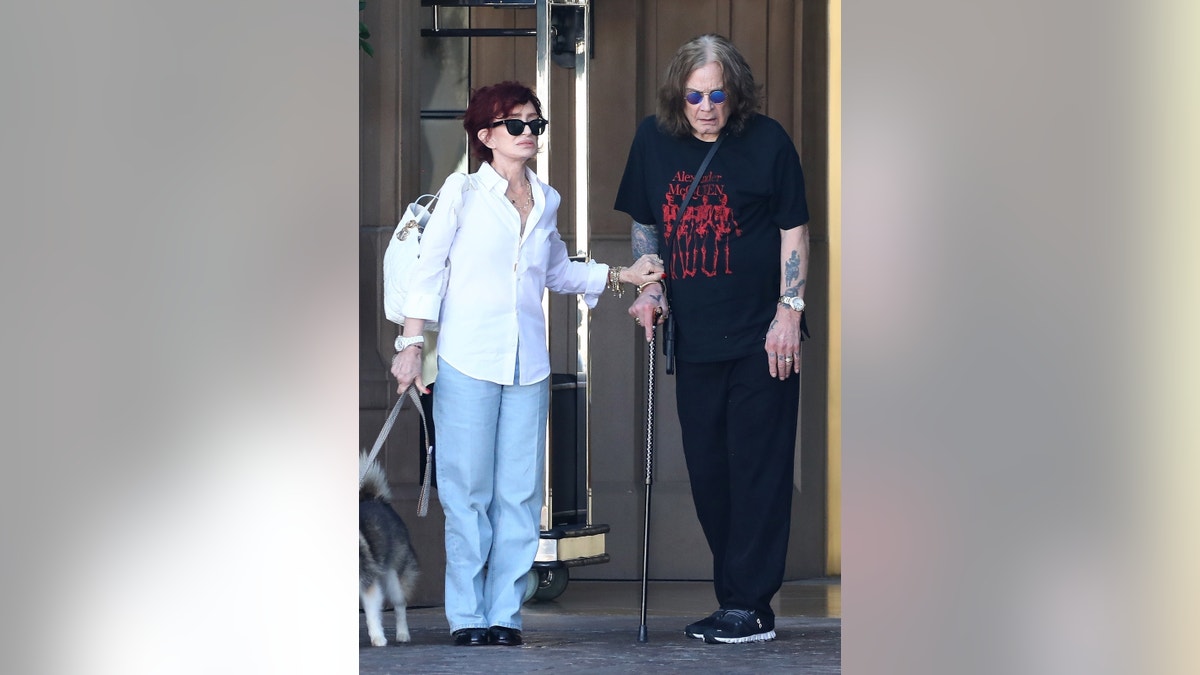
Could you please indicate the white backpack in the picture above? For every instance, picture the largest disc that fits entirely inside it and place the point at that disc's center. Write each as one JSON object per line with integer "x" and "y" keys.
{"x": 401, "y": 256}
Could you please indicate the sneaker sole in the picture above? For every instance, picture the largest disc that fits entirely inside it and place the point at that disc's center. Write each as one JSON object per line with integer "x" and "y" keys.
{"x": 757, "y": 637}
{"x": 697, "y": 636}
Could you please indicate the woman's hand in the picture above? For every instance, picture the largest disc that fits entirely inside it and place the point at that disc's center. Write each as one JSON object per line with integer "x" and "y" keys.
{"x": 647, "y": 268}
{"x": 406, "y": 368}
{"x": 783, "y": 343}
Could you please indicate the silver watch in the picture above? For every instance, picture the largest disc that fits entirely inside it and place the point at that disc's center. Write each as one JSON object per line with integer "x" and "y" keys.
{"x": 404, "y": 342}
{"x": 792, "y": 302}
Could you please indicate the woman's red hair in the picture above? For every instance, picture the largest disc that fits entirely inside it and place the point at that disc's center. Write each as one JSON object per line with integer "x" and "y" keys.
{"x": 491, "y": 103}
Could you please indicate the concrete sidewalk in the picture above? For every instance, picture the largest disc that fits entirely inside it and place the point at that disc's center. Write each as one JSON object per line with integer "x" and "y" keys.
{"x": 593, "y": 626}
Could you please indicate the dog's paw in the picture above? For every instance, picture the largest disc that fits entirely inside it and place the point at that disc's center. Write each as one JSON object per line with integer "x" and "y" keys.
{"x": 403, "y": 636}
{"x": 378, "y": 641}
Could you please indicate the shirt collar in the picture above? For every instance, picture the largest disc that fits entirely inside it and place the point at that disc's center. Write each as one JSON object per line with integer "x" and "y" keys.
{"x": 494, "y": 182}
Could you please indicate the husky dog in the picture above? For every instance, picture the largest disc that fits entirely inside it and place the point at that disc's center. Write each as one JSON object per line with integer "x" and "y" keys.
{"x": 387, "y": 564}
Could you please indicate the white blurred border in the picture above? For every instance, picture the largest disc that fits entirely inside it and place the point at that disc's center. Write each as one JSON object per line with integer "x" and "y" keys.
{"x": 1171, "y": 94}
{"x": 992, "y": 245}
{"x": 180, "y": 189}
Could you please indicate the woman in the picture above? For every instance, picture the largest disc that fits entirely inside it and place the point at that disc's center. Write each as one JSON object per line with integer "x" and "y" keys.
{"x": 488, "y": 252}
{"x": 737, "y": 258}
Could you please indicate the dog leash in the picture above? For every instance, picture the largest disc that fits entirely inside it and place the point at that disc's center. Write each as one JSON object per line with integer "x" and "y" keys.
{"x": 411, "y": 393}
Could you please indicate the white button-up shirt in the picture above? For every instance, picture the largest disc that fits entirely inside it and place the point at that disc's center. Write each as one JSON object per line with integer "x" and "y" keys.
{"x": 483, "y": 281}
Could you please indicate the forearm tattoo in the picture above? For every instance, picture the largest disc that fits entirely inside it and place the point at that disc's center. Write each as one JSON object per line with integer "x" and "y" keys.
{"x": 644, "y": 240}
{"x": 792, "y": 280}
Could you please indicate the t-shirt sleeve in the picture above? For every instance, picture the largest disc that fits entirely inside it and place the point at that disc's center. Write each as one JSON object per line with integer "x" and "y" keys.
{"x": 631, "y": 194}
{"x": 789, "y": 205}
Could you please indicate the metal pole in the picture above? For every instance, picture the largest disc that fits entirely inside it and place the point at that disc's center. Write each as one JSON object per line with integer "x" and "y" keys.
{"x": 583, "y": 240}
{"x": 642, "y": 632}
{"x": 542, "y": 88}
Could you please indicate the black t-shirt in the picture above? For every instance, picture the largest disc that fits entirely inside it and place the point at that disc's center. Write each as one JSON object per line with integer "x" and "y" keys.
{"x": 724, "y": 259}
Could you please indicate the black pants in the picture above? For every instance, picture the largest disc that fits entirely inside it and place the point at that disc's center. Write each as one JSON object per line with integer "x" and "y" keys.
{"x": 739, "y": 438}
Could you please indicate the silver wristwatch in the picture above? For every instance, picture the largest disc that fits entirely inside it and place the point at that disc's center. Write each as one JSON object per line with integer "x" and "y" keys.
{"x": 403, "y": 342}
{"x": 792, "y": 302}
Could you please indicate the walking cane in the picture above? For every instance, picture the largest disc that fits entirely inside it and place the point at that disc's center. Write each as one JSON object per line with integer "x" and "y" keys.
{"x": 642, "y": 633}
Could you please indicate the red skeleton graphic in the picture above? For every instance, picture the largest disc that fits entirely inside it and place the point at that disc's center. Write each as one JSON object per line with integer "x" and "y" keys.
{"x": 699, "y": 243}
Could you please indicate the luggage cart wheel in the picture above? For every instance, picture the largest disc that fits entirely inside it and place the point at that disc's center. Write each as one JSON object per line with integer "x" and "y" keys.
{"x": 551, "y": 583}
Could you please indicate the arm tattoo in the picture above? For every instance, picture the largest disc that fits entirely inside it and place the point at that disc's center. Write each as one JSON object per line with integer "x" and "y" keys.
{"x": 644, "y": 240}
{"x": 792, "y": 275}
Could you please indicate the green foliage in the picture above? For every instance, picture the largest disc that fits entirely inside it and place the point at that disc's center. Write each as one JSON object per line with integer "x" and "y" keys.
{"x": 363, "y": 33}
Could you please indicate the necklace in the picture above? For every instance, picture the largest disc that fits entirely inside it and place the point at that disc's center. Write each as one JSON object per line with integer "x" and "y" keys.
{"x": 528, "y": 201}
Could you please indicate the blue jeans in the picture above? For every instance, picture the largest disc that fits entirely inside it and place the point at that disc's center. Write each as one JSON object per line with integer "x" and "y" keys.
{"x": 491, "y": 442}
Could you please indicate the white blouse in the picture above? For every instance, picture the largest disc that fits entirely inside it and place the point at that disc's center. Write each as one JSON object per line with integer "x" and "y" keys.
{"x": 484, "y": 282}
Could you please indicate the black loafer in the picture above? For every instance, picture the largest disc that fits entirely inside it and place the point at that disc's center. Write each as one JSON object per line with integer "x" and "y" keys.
{"x": 505, "y": 637}
{"x": 470, "y": 637}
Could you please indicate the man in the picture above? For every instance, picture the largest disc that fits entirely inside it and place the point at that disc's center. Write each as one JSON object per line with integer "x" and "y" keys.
{"x": 736, "y": 262}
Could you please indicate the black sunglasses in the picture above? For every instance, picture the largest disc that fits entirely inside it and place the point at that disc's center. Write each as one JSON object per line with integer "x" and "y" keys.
{"x": 517, "y": 127}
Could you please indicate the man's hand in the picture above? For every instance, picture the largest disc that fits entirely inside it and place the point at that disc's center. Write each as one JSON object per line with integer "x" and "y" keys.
{"x": 650, "y": 308}
{"x": 783, "y": 343}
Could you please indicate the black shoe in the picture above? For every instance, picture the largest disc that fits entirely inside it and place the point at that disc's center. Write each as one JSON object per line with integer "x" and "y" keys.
{"x": 505, "y": 637}
{"x": 741, "y": 625}
{"x": 470, "y": 637}
{"x": 696, "y": 630}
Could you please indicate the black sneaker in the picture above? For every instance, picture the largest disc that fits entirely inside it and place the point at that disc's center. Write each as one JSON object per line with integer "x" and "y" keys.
{"x": 696, "y": 630}
{"x": 741, "y": 625}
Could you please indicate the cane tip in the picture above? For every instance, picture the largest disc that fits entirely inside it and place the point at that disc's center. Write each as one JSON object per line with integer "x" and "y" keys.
{"x": 642, "y": 634}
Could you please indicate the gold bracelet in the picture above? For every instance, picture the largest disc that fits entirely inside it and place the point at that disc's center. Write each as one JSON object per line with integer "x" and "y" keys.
{"x": 644, "y": 285}
{"x": 614, "y": 281}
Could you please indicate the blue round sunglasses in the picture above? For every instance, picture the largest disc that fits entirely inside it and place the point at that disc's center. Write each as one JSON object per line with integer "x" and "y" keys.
{"x": 695, "y": 97}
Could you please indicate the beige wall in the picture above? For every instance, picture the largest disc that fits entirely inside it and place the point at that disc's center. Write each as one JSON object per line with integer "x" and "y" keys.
{"x": 786, "y": 45}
